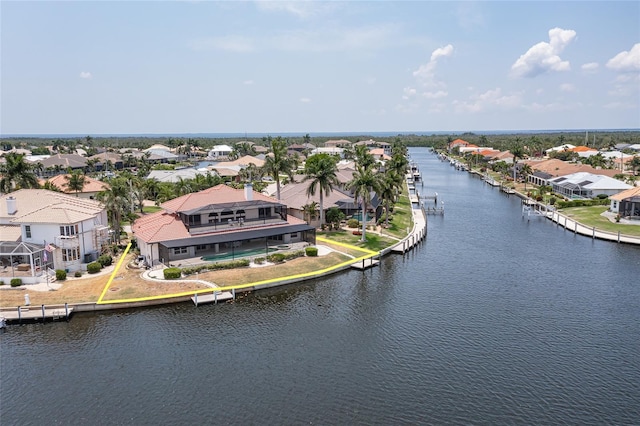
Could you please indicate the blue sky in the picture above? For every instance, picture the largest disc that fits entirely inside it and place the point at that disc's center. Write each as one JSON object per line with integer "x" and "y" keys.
{"x": 274, "y": 67}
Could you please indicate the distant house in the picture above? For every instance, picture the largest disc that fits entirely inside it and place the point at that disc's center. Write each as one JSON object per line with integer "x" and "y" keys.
{"x": 457, "y": 143}
{"x": 56, "y": 229}
{"x": 544, "y": 170}
{"x": 626, "y": 203}
{"x": 220, "y": 222}
{"x": 61, "y": 163}
{"x": 174, "y": 176}
{"x": 219, "y": 151}
{"x": 294, "y": 195}
{"x": 334, "y": 150}
{"x": 89, "y": 190}
{"x": 337, "y": 143}
{"x": 586, "y": 185}
{"x": 103, "y": 160}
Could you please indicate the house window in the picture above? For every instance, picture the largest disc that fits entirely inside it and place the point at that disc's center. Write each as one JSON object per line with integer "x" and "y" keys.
{"x": 615, "y": 206}
{"x": 69, "y": 230}
{"x": 264, "y": 212}
{"x": 201, "y": 247}
{"x": 194, "y": 220}
{"x": 180, "y": 250}
{"x": 69, "y": 255}
{"x": 27, "y": 230}
{"x": 294, "y": 235}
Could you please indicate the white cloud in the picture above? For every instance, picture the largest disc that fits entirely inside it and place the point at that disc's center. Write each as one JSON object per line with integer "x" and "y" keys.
{"x": 567, "y": 87}
{"x": 543, "y": 56}
{"x": 305, "y": 100}
{"x": 435, "y": 95}
{"x": 247, "y": 82}
{"x": 491, "y": 99}
{"x": 426, "y": 71}
{"x": 86, "y": 75}
{"x": 590, "y": 67}
{"x": 627, "y": 60}
{"x": 229, "y": 43}
{"x": 409, "y": 92}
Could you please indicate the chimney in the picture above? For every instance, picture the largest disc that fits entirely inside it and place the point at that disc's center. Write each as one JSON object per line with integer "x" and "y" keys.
{"x": 12, "y": 207}
{"x": 248, "y": 191}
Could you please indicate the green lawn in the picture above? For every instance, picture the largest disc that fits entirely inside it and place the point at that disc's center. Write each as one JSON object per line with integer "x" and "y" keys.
{"x": 374, "y": 241}
{"x": 402, "y": 217}
{"x": 591, "y": 216}
{"x": 151, "y": 209}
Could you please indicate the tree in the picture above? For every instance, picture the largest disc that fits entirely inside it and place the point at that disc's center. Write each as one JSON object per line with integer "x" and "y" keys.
{"x": 635, "y": 164}
{"x": 334, "y": 216}
{"x": 320, "y": 170}
{"x": 116, "y": 201}
{"x": 16, "y": 173}
{"x": 278, "y": 162}
{"x": 364, "y": 182}
{"x": 525, "y": 171}
{"x": 309, "y": 211}
{"x": 389, "y": 184}
{"x": 76, "y": 181}
{"x": 518, "y": 152}
{"x": 363, "y": 157}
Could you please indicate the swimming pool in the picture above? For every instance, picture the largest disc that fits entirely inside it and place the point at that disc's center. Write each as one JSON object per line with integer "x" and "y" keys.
{"x": 237, "y": 253}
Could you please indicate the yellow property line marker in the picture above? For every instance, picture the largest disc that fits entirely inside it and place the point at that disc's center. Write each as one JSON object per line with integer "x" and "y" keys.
{"x": 311, "y": 274}
{"x": 115, "y": 271}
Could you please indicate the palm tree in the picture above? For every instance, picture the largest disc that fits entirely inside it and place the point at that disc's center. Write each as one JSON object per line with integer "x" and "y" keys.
{"x": 389, "y": 185}
{"x": 116, "y": 201}
{"x": 309, "y": 211}
{"x": 320, "y": 170}
{"x": 16, "y": 173}
{"x": 364, "y": 182}
{"x": 279, "y": 162}
{"x": 363, "y": 157}
{"x": 518, "y": 152}
{"x": 525, "y": 171}
{"x": 76, "y": 181}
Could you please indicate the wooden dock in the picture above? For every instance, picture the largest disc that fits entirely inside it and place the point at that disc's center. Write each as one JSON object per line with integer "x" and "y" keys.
{"x": 36, "y": 313}
{"x": 365, "y": 264}
{"x": 215, "y": 297}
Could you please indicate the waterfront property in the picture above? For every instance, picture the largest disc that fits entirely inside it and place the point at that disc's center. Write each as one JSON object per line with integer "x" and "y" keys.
{"x": 627, "y": 203}
{"x": 586, "y": 185}
{"x": 214, "y": 221}
{"x": 43, "y": 228}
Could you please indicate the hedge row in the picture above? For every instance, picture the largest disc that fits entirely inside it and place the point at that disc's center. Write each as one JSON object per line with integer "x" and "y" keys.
{"x": 582, "y": 203}
{"x": 240, "y": 263}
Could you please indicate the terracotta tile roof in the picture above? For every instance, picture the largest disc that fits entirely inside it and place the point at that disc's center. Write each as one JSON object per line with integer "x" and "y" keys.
{"x": 294, "y": 195}
{"x": 458, "y": 142}
{"x": 61, "y": 182}
{"x": 556, "y": 167}
{"x": 74, "y": 161}
{"x": 581, "y": 148}
{"x": 42, "y": 206}
{"x": 242, "y": 161}
{"x": 220, "y": 194}
{"x": 159, "y": 226}
{"x": 631, "y": 192}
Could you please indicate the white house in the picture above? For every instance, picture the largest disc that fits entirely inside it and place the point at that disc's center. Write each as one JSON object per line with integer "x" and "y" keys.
{"x": 219, "y": 151}
{"x": 57, "y": 230}
{"x": 587, "y": 185}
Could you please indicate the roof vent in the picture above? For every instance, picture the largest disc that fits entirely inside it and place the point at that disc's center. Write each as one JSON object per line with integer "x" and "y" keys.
{"x": 12, "y": 206}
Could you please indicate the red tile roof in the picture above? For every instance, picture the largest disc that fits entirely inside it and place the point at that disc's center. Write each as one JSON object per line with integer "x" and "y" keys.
{"x": 219, "y": 194}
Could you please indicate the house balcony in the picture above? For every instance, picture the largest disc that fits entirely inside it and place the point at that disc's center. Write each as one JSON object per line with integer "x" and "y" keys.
{"x": 230, "y": 225}
{"x": 67, "y": 242}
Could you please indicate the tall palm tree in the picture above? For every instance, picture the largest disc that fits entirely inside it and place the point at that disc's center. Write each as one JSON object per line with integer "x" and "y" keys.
{"x": 116, "y": 201}
{"x": 518, "y": 152}
{"x": 363, "y": 157}
{"x": 389, "y": 185}
{"x": 76, "y": 181}
{"x": 525, "y": 171}
{"x": 365, "y": 181}
{"x": 320, "y": 170}
{"x": 278, "y": 162}
{"x": 16, "y": 173}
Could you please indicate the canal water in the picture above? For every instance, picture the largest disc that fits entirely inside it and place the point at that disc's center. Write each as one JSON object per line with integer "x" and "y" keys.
{"x": 492, "y": 320}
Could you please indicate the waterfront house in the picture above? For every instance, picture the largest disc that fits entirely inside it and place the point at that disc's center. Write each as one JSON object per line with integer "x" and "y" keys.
{"x": 626, "y": 203}
{"x": 586, "y": 185}
{"x": 57, "y": 230}
{"x": 61, "y": 163}
{"x": 217, "y": 222}
{"x": 219, "y": 151}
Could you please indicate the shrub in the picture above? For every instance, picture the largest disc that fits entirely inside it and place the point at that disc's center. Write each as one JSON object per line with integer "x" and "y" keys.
{"x": 311, "y": 251}
{"x": 78, "y": 274}
{"x": 258, "y": 260}
{"x": 276, "y": 258}
{"x": 94, "y": 267}
{"x": 172, "y": 273}
{"x": 357, "y": 232}
{"x": 1, "y": 282}
{"x": 61, "y": 274}
{"x": 16, "y": 282}
{"x": 353, "y": 223}
{"x": 240, "y": 263}
{"x": 105, "y": 260}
